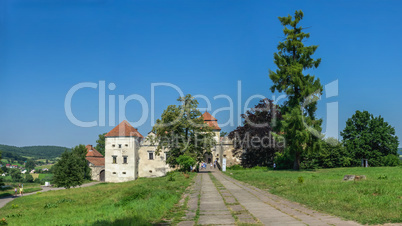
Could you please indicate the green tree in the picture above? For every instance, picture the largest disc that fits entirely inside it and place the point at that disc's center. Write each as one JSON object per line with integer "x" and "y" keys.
{"x": 185, "y": 162}
{"x": 300, "y": 127}
{"x": 80, "y": 153}
{"x": 72, "y": 169}
{"x": 182, "y": 130}
{"x": 369, "y": 137}
{"x": 29, "y": 178}
{"x": 30, "y": 165}
{"x": 68, "y": 172}
{"x": 16, "y": 175}
{"x": 332, "y": 154}
{"x": 100, "y": 144}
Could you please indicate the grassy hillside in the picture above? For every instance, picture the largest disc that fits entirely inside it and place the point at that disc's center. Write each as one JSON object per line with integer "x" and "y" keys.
{"x": 376, "y": 200}
{"x": 141, "y": 202}
{"x": 40, "y": 152}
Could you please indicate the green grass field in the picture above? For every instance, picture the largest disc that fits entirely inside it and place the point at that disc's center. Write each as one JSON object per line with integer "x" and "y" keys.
{"x": 49, "y": 166}
{"x": 140, "y": 202}
{"x": 375, "y": 200}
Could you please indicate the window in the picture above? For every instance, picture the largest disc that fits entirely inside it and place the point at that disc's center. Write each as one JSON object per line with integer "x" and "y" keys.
{"x": 151, "y": 155}
{"x": 126, "y": 145}
{"x": 124, "y": 159}
{"x": 114, "y": 159}
{"x": 113, "y": 145}
{"x": 124, "y": 172}
{"x": 114, "y": 172}
{"x": 119, "y": 145}
{"x": 167, "y": 155}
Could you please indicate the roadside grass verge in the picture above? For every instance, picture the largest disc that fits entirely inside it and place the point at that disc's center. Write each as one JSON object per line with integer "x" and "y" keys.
{"x": 376, "y": 200}
{"x": 141, "y": 202}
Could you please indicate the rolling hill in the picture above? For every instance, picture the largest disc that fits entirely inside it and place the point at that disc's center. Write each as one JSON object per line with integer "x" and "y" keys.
{"x": 40, "y": 152}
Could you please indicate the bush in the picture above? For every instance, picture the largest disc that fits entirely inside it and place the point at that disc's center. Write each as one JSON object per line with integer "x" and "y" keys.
{"x": 235, "y": 167}
{"x": 390, "y": 160}
{"x": 185, "y": 162}
{"x": 300, "y": 180}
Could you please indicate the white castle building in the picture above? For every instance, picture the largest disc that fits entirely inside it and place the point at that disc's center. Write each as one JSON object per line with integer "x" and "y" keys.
{"x": 128, "y": 155}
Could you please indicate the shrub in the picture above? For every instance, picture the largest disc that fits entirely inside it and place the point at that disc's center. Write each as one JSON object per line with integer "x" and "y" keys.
{"x": 383, "y": 177}
{"x": 300, "y": 180}
{"x": 171, "y": 177}
{"x": 235, "y": 167}
{"x": 3, "y": 221}
{"x": 390, "y": 160}
{"x": 185, "y": 162}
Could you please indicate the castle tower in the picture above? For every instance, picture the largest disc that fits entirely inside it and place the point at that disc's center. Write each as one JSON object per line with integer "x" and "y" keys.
{"x": 121, "y": 153}
{"x": 212, "y": 122}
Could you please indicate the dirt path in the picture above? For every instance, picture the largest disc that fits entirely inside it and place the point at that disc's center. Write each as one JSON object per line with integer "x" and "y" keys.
{"x": 5, "y": 200}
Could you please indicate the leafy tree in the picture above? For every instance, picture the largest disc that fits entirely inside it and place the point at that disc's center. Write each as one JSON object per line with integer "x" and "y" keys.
{"x": 30, "y": 165}
{"x": 332, "y": 154}
{"x": 68, "y": 172}
{"x": 182, "y": 130}
{"x": 254, "y": 139}
{"x": 80, "y": 152}
{"x": 185, "y": 162}
{"x": 16, "y": 175}
{"x": 72, "y": 169}
{"x": 299, "y": 125}
{"x": 369, "y": 137}
{"x": 100, "y": 144}
{"x": 223, "y": 134}
{"x": 29, "y": 178}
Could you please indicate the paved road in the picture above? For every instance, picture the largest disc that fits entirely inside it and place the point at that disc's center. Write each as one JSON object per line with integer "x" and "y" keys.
{"x": 226, "y": 201}
{"x": 5, "y": 200}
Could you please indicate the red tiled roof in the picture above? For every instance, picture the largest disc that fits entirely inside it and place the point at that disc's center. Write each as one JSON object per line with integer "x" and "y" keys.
{"x": 211, "y": 121}
{"x": 124, "y": 129}
{"x": 92, "y": 152}
{"x": 208, "y": 117}
{"x": 96, "y": 161}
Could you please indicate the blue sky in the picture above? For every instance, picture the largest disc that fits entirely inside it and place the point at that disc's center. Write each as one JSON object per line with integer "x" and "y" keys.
{"x": 203, "y": 47}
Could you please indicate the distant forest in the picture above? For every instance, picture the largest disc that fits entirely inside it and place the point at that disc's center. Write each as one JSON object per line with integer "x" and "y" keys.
{"x": 37, "y": 152}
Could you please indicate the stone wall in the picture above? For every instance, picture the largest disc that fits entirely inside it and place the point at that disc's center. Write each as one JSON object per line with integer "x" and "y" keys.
{"x": 95, "y": 171}
{"x": 155, "y": 167}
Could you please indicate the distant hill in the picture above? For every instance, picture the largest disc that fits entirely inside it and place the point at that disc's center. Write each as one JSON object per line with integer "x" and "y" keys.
{"x": 40, "y": 152}
{"x": 399, "y": 151}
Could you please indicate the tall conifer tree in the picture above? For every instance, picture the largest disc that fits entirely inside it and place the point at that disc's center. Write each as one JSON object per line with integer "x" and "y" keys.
{"x": 299, "y": 125}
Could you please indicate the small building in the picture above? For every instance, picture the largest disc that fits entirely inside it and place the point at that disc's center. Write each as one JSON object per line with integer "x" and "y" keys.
{"x": 96, "y": 162}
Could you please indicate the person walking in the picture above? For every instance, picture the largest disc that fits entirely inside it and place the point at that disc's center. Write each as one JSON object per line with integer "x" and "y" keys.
{"x": 21, "y": 190}
{"x": 15, "y": 191}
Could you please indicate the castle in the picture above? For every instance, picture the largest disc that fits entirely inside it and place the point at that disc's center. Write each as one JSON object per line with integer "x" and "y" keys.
{"x": 128, "y": 155}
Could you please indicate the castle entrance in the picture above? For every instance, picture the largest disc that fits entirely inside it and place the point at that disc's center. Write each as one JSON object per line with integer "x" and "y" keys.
{"x": 102, "y": 175}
